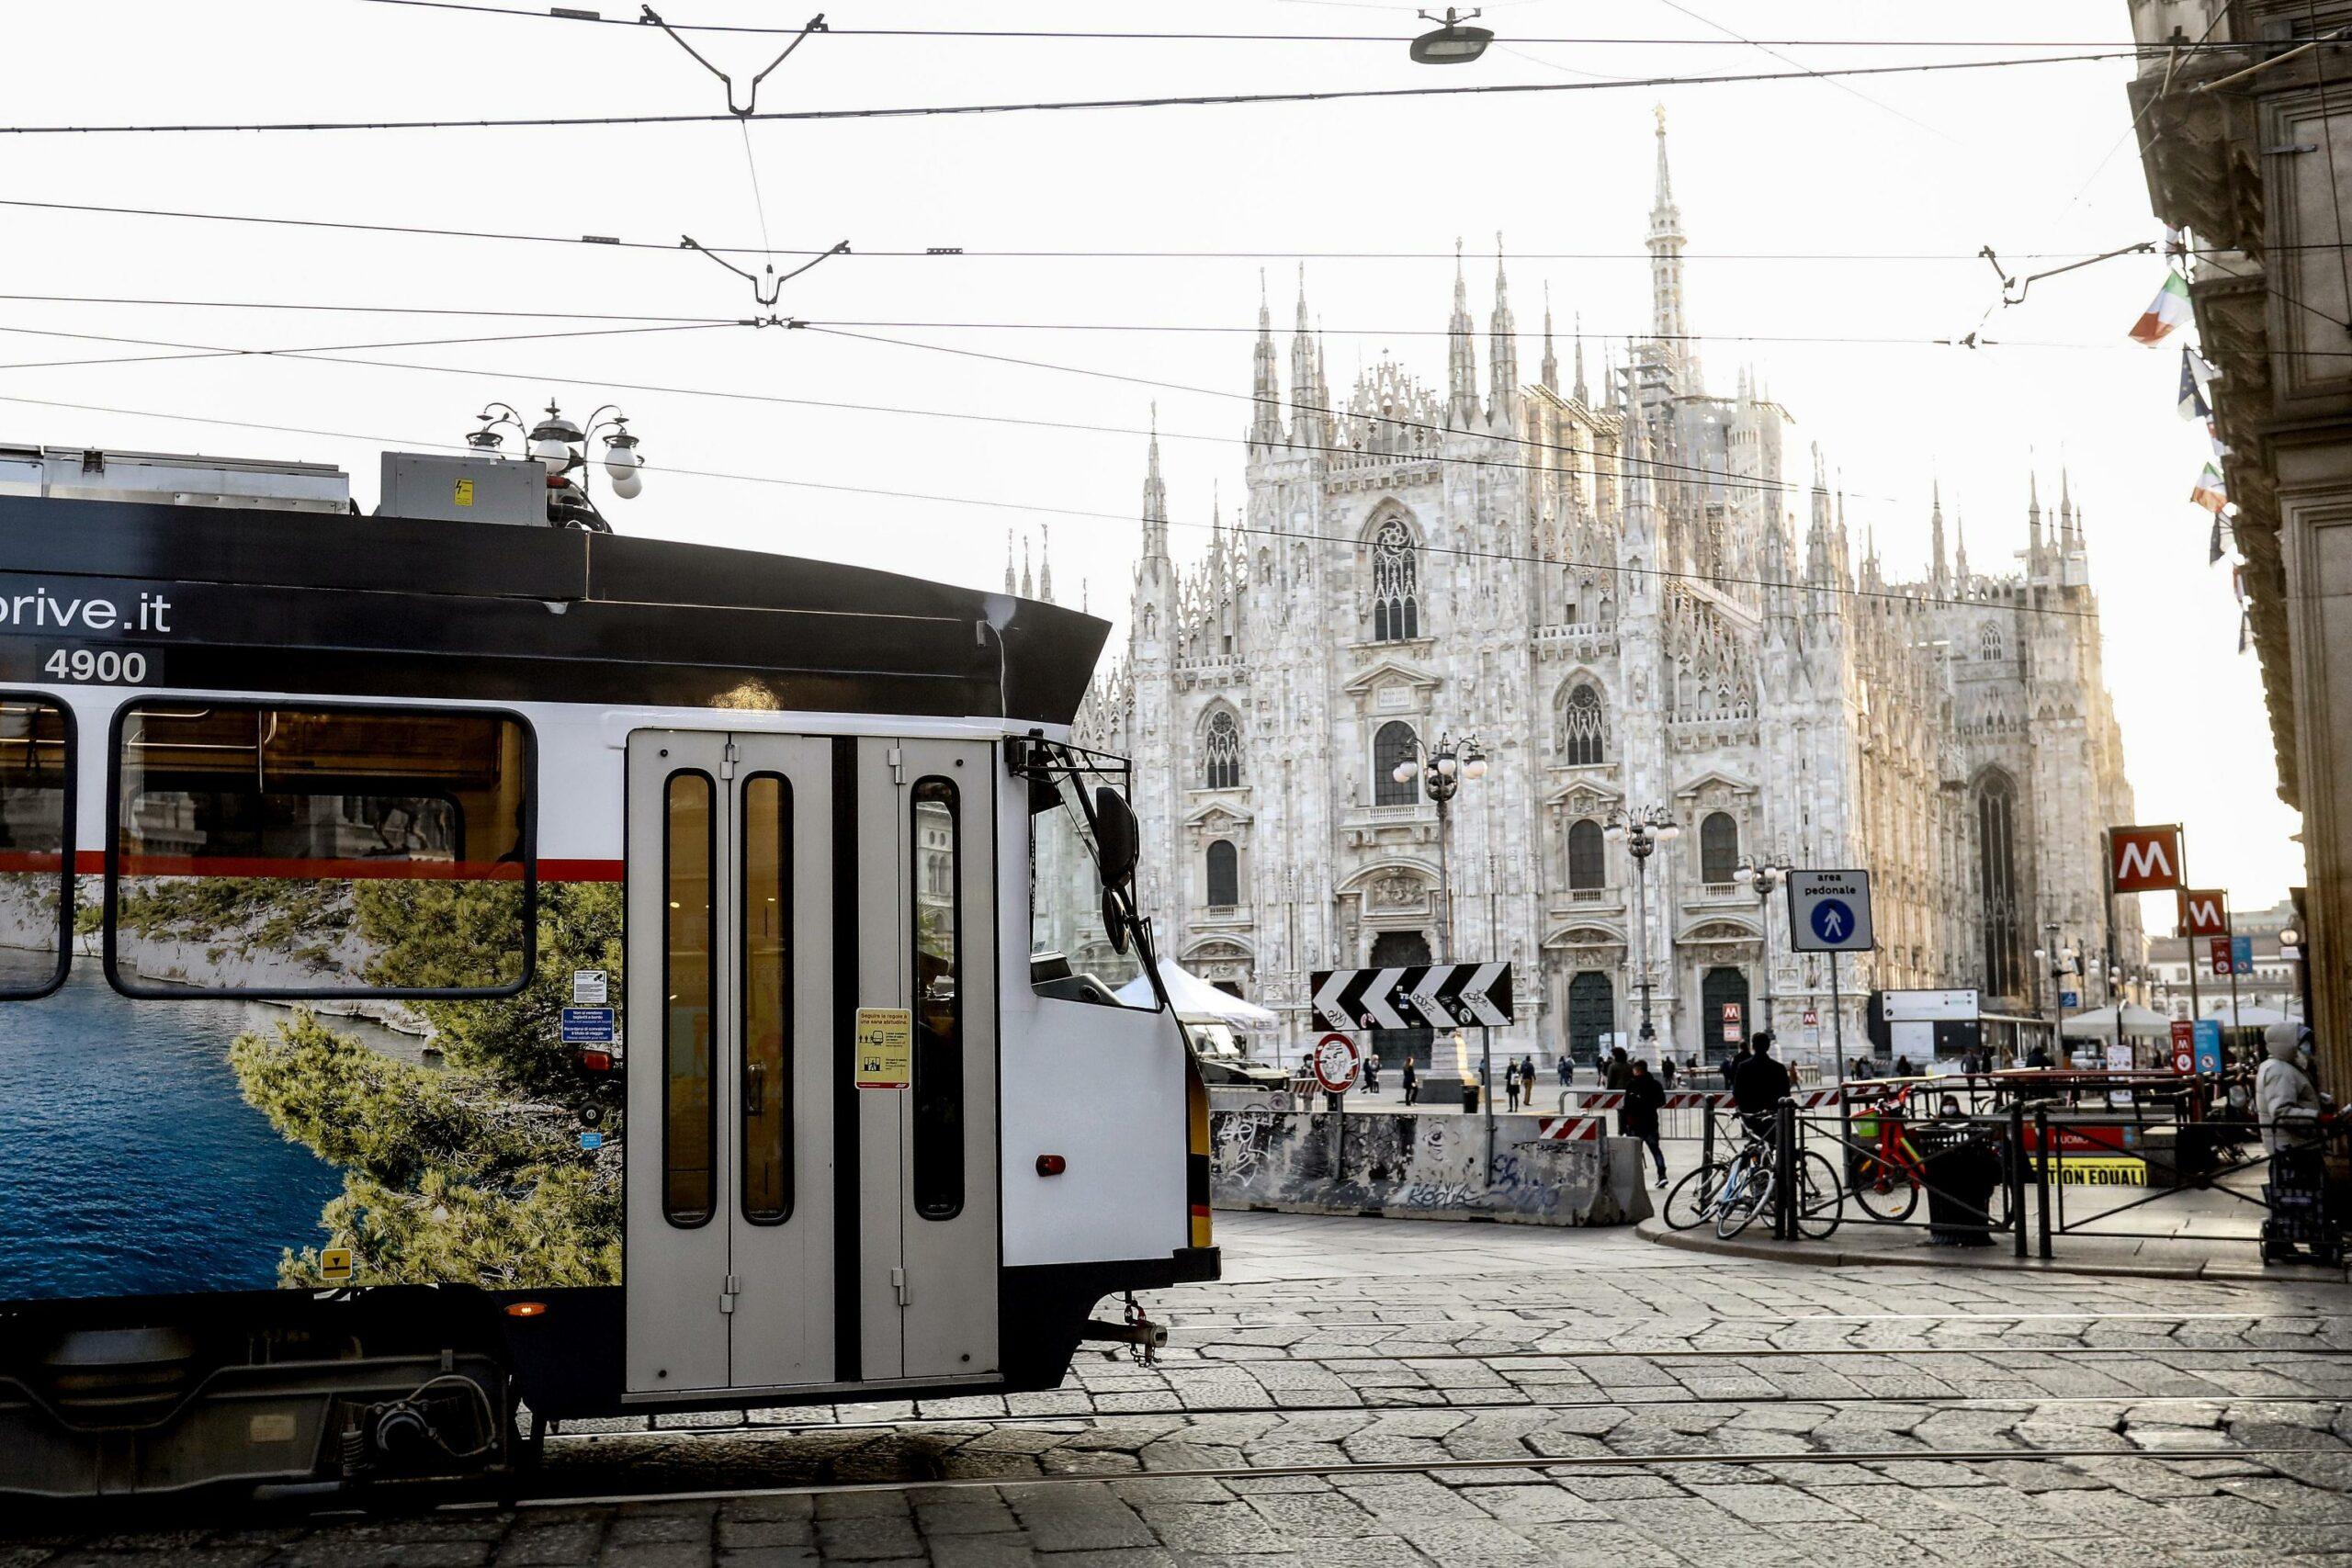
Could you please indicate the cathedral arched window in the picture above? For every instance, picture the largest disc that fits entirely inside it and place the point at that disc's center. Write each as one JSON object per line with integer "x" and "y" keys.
{"x": 1718, "y": 848}
{"x": 1396, "y": 584}
{"x": 1390, "y": 747}
{"x": 1998, "y": 888}
{"x": 1988, "y": 640}
{"x": 1588, "y": 863}
{"x": 1225, "y": 873}
{"x": 1584, "y": 728}
{"x": 1221, "y": 751}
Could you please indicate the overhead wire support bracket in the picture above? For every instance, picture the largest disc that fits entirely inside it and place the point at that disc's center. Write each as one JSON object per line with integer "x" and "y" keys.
{"x": 815, "y": 25}
{"x": 2013, "y": 289}
{"x": 766, "y": 295}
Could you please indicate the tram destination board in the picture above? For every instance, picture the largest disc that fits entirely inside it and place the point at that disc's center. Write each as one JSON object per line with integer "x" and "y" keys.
{"x": 1413, "y": 996}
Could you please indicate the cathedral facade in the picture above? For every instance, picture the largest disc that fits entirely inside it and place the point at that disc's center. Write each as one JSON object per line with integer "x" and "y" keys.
{"x": 1635, "y": 601}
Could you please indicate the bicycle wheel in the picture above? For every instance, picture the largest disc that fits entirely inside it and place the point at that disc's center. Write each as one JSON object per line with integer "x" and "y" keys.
{"x": 1819, "y": 1200}
{"x": 1743, "y": 1202}
{"x": 1885, "y": 1192}
{"x": 1693, "y": 1198}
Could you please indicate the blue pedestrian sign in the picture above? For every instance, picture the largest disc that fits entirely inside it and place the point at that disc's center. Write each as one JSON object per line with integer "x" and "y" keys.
{"x": 1829, "y": 911}
{"x": 587, "y": 1026}
{"x": 2069, "y": 999}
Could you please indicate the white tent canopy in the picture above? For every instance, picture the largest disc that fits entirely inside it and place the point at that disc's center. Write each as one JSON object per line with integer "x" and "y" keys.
{"x": 2139, "y": 1022}
{"x": 1196, "y": 997}
{"x": 2249, "y": 1016}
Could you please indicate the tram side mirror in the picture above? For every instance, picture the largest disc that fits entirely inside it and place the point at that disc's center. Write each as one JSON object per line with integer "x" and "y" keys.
{"x": 1116, "y": 841}
{"x": 1114, "y": 924}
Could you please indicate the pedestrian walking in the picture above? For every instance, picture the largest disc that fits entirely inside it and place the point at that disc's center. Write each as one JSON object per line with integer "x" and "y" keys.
{"x": 1412, "y": 1081}
{"x": 1902, "y": 1067}
{"x": 1568, "y": 1071}
{"x": 1620, "y": 1069}
{"x": 1666, "y": 1069}
{"x": 1371, "y": 1075}
{"x": 1638, "y": 1118}
{"x": 1526, "y": 1080}
{"x": 1510, "y": 1086}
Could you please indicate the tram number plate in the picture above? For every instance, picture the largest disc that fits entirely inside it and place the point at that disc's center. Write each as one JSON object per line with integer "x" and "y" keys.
{"x": 886, "y": 1048}
{"x": 104, "y": 666}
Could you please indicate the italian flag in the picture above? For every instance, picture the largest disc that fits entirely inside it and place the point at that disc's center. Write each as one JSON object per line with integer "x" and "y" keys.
{"x": 2210, "y": 492}
{"x": 2167, "y": 311}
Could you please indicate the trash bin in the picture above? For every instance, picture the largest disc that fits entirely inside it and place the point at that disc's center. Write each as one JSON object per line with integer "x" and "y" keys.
{"x": 1469, "y": 1100}
{"x": 1961, "y": 1168}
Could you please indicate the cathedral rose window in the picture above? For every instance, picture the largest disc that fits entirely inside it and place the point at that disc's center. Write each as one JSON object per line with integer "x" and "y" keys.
{"x": 1221, "y": 752}
{"x": 1584, "y": 728}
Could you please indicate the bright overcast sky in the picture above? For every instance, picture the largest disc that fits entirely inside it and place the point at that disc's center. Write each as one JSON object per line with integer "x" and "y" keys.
{"x": 2031, "y": 159}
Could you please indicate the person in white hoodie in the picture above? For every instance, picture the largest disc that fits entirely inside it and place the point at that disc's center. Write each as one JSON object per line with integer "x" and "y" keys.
{"x": 2283, "y": 1095}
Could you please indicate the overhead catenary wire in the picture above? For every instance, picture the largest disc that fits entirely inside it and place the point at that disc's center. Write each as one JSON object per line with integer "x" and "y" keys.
{"x": 1174, "y": 100}
{"x": 1836, "y": 590}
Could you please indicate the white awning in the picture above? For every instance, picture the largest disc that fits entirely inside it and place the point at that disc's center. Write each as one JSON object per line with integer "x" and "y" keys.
{"x": 1196, "y": 997}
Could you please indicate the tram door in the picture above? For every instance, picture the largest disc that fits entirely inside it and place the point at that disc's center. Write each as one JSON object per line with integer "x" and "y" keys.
{"x": 785, "y": 1226}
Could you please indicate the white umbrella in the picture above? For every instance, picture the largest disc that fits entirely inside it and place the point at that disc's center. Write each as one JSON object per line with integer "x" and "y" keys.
{"x": 2248, "y": 1016}
{"x": 1196, "y": 997}
{"x": 2099, "y": 1023}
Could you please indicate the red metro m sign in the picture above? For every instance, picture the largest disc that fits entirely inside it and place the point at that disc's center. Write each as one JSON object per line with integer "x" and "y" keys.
{"x": 2143, "y": 860}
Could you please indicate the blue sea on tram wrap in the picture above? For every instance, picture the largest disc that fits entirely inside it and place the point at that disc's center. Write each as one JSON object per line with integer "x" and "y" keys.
{"x": 129, "y": 1162}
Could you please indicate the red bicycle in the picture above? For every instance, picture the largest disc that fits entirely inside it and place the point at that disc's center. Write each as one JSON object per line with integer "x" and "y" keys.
{"x": 1889, "y": 1174}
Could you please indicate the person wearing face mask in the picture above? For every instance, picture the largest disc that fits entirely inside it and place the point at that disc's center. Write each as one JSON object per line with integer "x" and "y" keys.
{"x": 2284, "y": 1097}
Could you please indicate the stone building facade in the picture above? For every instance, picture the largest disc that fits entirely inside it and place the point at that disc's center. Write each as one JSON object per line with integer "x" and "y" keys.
{"x": 1634, "y": 597}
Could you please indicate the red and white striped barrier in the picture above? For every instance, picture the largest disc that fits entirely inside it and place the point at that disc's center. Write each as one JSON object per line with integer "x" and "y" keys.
{"x": 1687, "y": 1099}
{"x": 1568, "y": 1130}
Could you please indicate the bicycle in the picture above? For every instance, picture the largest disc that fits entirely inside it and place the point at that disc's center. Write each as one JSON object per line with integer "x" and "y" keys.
{"x": 1733, "y": 1193}
{"x": 1890, "y": 1174}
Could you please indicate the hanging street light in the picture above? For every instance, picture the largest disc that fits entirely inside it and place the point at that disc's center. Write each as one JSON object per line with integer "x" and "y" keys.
{"x": 1452, "y": 44}
{"x": 1768, "y": 876}
{"x": 1441, "y": 774}
{"x": 560, "y": 447}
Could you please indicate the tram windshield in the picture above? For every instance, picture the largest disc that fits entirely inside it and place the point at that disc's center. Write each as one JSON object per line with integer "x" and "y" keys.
{"x": 1066, "y": 905}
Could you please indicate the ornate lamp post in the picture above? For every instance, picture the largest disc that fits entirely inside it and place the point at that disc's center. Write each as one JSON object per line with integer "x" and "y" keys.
{"x": 2061, "y": 959}
{"x": 1642, "y": 831}
{"x": 1768, "y": 876}
{"x": 560, "y": 447}
{"x": 1441, "y": 771}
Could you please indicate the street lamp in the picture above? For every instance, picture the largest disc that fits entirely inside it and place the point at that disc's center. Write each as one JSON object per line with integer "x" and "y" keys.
{"x": 2061, "y": 961}
{"x": 560, "y": 447}
{"x": 1768, "y": 876}
{"x": 1442, "y": 772}
{"x": 1452, "y": 44}
{"x": 1643, "y": 831}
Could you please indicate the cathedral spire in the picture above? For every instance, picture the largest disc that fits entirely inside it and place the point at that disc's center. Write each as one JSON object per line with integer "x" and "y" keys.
{"x": 1668, "y": 325}
{"x": 1577, "y": 324}
{"x": 1012, "y": 583}
{"x": 1155, "y": 504}
{"x": 1551, "y": 360}
{"x": 1046, "y": 563}
{"x": 1028, "y": 585}
{"x": 1960, "y": 556}
{"x": 1502, "y": 352}
{"x": 1461, "y": 362}
{"x": 1938, "y": 578}
{"x": 2033, "y": 521}
{"x": 1266, "y": 415}
{"x": 1308, "y": 424}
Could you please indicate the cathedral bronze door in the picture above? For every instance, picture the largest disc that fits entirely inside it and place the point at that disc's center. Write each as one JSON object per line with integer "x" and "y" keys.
{"x": 1390, "y": 949}
{"x": 1592, "y": 1013}
{"x": 1717, "y": 988}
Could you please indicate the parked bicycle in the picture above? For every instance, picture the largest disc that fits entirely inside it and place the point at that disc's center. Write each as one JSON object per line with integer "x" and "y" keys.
{"x": 1733, "y": 1193}
{"x": 1888, "y": 1173}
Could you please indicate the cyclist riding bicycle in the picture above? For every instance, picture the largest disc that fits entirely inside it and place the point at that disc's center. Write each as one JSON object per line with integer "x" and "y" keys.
{"x": 1759, "y": 1086}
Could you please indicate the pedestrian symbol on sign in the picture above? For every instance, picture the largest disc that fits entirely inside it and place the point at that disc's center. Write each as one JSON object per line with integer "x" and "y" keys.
{"x": 1832, "y": 920}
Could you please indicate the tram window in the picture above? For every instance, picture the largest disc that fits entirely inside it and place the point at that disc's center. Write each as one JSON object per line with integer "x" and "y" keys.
{"x": 319, "y": 852}
{"x": 36, "y": 815}
{"x": 937, "y": 875}
{"x": 689, "y": 1135}
{"x": 1072, "y": 955}
{"x": 767, "y": 999}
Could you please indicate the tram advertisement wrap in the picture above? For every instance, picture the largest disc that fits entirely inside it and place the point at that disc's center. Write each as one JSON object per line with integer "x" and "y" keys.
{"x": 437, "y": 1141}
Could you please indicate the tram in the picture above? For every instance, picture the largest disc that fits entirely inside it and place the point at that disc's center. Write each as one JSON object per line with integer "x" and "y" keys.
{"x": 459, "y": 975}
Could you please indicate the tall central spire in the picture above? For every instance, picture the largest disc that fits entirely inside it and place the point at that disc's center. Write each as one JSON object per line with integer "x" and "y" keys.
{"x": 1551, "y": 361}
{"x": 1462, "y": 355}
{"x": 1668, "y": 325}
{"x": 1155, "y": 498}
{"x": 1502, "y": 351}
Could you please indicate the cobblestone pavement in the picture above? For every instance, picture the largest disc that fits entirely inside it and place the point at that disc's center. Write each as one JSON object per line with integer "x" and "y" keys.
{"x": 1344, "y": 1342}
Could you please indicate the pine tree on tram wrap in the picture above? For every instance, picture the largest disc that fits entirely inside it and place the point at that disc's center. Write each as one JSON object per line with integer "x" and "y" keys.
{"x": 474, "y": 1172}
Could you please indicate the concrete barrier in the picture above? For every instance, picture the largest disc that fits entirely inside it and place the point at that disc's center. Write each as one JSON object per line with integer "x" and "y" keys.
{"x": 1548, "y": 1170}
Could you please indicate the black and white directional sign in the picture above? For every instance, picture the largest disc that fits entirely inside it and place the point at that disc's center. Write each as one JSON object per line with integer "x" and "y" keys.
{"x": 1413, "y": 996}
{"x": 1829, "y": 911}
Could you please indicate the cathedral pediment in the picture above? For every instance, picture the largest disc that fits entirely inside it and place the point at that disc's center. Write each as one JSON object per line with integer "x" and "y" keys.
{"x": 1218, "y": 817}
{"x": 1715, "y": 784}
{"x": 1720, "y": 930}
{"x": 1387, "y": 670}
{"x": 1585, "y": 936}
{"x": 1584, "y": 798}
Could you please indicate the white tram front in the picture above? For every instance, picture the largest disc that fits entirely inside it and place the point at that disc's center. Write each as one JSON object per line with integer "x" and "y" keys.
{"x": 451, "y": 968}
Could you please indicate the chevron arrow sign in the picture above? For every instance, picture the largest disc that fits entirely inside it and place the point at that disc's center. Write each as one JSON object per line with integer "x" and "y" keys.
{"x": 1416, "y": 995}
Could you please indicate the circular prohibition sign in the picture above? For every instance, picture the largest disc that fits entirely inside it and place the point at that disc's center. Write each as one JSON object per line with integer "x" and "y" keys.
{"x": 1336, "y": 1060}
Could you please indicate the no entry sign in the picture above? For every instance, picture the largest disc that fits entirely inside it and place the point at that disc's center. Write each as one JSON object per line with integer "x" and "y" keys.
{"x": 1336, "y": 1060}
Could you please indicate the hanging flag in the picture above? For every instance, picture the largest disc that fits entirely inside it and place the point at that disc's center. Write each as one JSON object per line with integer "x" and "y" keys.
{"x": 2192, "y": 395}
{"x": 2165, "y": 311}
{"x": 2211, "y": 493}
{"x": 2197, "y": 365}
{"x": 2214, "y": 559}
